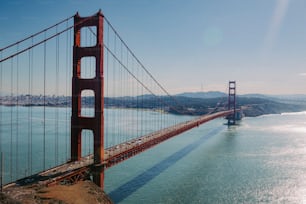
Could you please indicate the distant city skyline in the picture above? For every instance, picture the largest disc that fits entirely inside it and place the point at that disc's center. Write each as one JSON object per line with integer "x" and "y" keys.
{"x": 192, "y": 46}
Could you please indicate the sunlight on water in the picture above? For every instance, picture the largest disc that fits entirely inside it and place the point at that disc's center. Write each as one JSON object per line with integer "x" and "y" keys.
{"x": 290, "y": 128}
{"x": 263, "y": 160}
{"x": 295, "y": 113}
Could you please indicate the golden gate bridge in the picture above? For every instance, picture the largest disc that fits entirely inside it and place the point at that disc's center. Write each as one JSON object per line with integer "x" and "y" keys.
{"x": 72, "y": 101}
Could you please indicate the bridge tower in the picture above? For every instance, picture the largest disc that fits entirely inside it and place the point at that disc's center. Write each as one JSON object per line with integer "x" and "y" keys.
{"x": 231, "y": 119}
{"x": 96, "y": 84}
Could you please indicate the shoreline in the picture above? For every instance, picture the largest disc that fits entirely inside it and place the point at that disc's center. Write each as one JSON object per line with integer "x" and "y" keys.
{"x": 248, "y": 111}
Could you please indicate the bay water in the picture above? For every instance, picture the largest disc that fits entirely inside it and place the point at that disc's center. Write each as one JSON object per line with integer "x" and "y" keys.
{"x": 261, "y": 160}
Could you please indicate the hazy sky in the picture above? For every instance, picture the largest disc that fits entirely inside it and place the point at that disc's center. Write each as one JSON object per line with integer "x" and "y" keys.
{"x": 191, "y": 45}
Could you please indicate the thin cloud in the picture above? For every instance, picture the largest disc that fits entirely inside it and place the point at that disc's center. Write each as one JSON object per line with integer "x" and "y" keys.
{"x": 302, "y": 74}
{"x": 275, "y": 25}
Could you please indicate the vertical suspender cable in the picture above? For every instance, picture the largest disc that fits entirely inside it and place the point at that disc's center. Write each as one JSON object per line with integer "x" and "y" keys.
{"x": 66, "y": 96}
{"x": 11, "y": 124}
{"x": 142, "y": 98}
{"x": 127, "y": 88}
{"x": 159, "y": 105}
{"x": 31, "y": 109}
{"x": 57, "y": 97}
{"x": 115, "y": 87}
{"x": 122, "y": 95}
{"x": 138, "y": 105}
{"x": 121, "y": 138}
{"x": 119, "y": 94}
{"x": 106, "y": 69}
{"x": 163, "y": 120}
{"x": 29, "y": 112}
{"x": 160, "y": 116}
{"x": 156, "y": 102}
{"x": 133, "y": 95}
{"x": 44, "y": 132}
{"x": 113, "y": 91}
{"x": 17, "y": 114}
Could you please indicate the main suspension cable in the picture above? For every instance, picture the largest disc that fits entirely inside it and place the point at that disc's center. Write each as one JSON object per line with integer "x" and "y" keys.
{"x": 40, "y": 32}
{"x": 42, "y": 41}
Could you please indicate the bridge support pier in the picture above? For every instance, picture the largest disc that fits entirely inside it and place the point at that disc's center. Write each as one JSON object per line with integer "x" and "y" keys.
{"x": 96, "y": 84}
{"x": 98, "y": 175}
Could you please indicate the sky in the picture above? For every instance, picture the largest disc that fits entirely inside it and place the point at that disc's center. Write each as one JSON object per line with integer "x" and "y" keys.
{"x": 194, "y": 45}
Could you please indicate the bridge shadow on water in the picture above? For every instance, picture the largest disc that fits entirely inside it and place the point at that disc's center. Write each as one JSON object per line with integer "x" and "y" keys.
{"x": 137, "y": 182}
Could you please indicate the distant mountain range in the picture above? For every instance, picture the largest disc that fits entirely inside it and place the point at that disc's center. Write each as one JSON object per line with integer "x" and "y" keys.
{"x": 209, "y": 94}
{"x": 218, "y": 94}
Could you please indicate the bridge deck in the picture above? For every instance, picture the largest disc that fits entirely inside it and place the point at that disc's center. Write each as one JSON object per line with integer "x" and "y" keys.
{"x": 118, "y": 153}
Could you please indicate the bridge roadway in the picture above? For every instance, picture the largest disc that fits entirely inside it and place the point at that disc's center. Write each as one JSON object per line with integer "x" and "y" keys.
{"x": 130, "y": 148}
{"x": 73, "y": 171}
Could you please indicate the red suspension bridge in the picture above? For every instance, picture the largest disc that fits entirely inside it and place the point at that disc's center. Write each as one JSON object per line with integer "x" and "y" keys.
{"x": 59, "y": 123}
